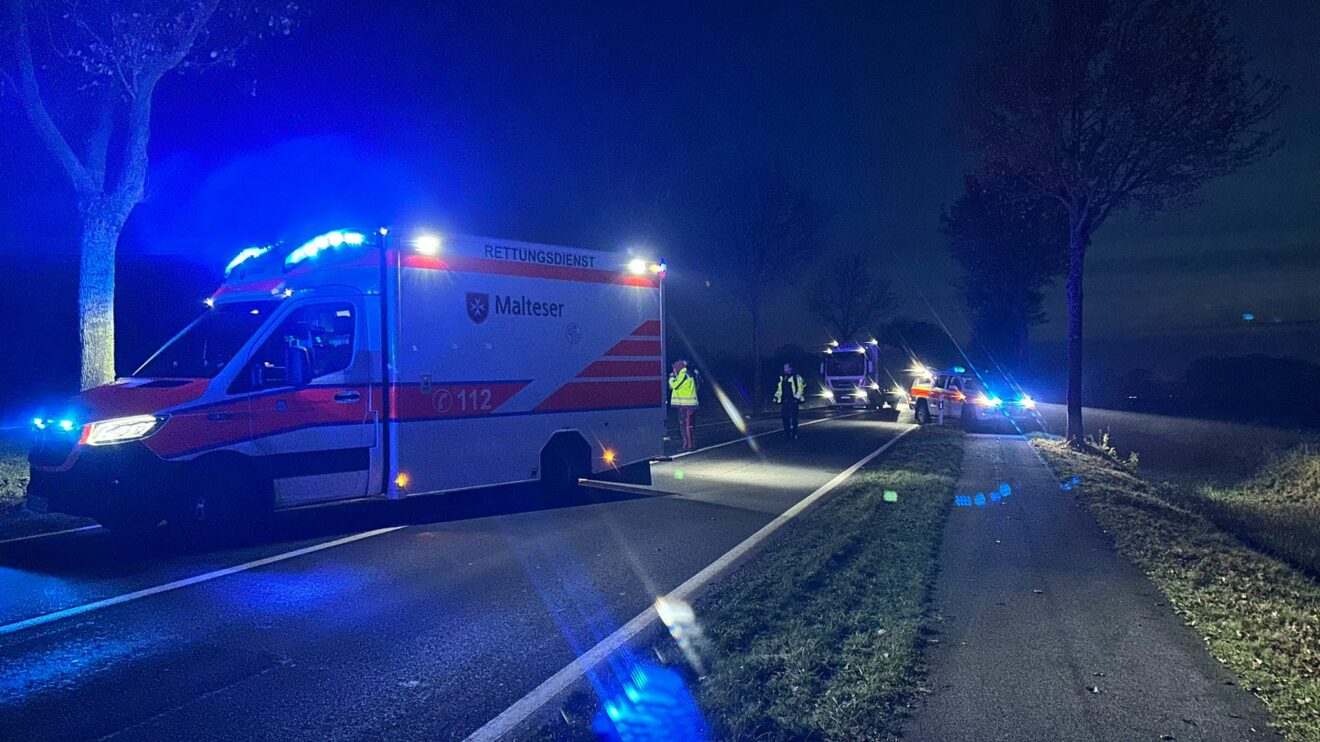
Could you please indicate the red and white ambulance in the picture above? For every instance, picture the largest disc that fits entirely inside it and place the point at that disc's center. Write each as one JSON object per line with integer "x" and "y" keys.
{"x": 373, "y": 364}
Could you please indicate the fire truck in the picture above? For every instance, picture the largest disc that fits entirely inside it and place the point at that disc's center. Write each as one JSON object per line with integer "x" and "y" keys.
{"x": 855, "y": 375}
{"x": 377, "y": 364}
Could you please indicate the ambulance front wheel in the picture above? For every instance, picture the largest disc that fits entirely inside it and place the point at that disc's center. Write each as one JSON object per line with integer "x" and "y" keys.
{"x": 923, "y": 412}
{"x": 224, "y": 492}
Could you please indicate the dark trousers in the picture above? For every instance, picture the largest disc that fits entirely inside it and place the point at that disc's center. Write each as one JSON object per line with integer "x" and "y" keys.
{"x": 789, "y": 411}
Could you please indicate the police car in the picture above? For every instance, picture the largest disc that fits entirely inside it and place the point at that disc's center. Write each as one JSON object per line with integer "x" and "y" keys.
{"x": 975, "y": 401}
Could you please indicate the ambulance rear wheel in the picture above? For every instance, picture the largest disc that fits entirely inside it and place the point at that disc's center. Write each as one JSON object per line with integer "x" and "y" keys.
{"x": 923, "y": 413}
{"x": 562, "y": 465}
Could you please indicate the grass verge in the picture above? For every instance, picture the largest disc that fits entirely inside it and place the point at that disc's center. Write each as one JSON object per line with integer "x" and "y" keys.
{"x": 817, "y": 636}
{"x": 1277, "y": 510}
{"x": 1257, "y": 615}
{"x": 13, "y": 475}
{"x": 15, "y": 519}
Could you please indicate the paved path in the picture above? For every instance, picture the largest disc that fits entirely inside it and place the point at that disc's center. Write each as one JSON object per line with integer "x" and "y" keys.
{"x": 1036, "y": 613}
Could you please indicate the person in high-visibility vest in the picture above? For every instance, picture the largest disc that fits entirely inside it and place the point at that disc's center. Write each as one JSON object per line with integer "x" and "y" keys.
{"x": 788, "y": 395}
{"x": 683, "y": 397}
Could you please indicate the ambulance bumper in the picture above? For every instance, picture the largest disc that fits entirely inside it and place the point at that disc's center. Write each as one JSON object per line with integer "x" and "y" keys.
{"x": 106, "y": 481}
{"x": 1003, "y": 412}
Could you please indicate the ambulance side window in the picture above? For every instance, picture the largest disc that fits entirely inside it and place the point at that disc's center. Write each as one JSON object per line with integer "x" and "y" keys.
{"x": 941, "y": 381}
{"x": 325, "y": 331}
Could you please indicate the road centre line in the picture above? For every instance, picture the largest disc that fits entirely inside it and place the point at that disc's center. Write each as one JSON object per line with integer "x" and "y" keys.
{"x": 127, "y": 597}
{"x": 35, "y": 536}
{"x": 509, "y": 719}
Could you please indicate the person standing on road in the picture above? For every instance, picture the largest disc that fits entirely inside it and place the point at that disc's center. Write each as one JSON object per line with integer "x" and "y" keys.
{"x": 683, "y": 397}
{"x": 788, "y": 395}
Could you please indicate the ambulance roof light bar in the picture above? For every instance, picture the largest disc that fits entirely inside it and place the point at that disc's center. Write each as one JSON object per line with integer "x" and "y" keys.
{"x": 246, "y": 254}
{"x": 329, "y": 241}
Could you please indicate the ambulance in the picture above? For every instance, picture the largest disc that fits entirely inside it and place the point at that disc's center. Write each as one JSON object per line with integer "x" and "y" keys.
{"x": 855, "y": 375}
{"x": 974, "y": 400}
{"x": 379, "y": 364}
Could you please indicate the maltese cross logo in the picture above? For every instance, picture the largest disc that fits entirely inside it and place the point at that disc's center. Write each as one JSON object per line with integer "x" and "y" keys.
{"x": 478, "y": 307}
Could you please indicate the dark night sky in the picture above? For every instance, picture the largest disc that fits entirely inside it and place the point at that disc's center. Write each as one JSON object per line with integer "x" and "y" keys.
{"x": 607, "y": 125}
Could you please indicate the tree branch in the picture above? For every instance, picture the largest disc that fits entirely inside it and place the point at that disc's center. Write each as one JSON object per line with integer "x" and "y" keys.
{"x": 29, "y": 93}
{"x": 133, "y": 170}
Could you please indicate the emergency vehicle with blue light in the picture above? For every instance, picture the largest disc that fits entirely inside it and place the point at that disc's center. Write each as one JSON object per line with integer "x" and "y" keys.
{"x": 855, "y": 375}
{"x": 957, "y": 393}
{"x": 373, "y": 365}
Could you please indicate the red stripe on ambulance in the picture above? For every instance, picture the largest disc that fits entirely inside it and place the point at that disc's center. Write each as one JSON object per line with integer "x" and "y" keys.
{"x": 619, "y": 369}
{"x": 641, "y": 348}
{"x": 650, "y": 328}
{"x": 596, "y": 395}
{"x": 456, "y": 399}
{"x": 464, "y": 264}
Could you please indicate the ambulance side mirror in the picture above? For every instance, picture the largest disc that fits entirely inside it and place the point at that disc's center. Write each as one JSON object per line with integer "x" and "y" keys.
{"x": 297, "y": 366}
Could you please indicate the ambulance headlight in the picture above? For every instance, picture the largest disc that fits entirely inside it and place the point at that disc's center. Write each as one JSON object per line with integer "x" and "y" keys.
{"x": 124, "y": 429}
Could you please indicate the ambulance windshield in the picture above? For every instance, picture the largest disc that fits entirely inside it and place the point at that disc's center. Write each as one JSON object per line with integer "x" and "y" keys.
{"x": 845, "y": 364}
{"x": 208, "y": 344}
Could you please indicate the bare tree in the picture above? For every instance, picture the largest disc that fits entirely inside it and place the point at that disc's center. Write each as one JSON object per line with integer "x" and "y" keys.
{"x": 84, "y": 73}
{"x": 773, "y": 228}
{"x": 1008, "y": 245}
{"x": 849, "y": 298}
{"x": 1102, "y": 105}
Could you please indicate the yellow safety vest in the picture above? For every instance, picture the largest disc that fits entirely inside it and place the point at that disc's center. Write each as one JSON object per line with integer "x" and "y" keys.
{"x": 682, "y": 389}
{"x": 794, "y": 383}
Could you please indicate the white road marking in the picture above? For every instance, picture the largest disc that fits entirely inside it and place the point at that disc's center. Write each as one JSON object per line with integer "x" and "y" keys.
{"x": 758, "y": 435}
{"x": 107, "y": 602}
{"x": 36, "y": 536}
{"x": 510, "y": 718}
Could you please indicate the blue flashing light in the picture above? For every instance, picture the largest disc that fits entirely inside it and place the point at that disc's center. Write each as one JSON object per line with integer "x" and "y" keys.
{"x": 959, "y": 370}
{"x": 328, "y": 241}
{"x": 656, "y": 704}
{"x": 1248, "y": 317}
{"x": 244, "y": 255}
{"x": 38, "y": 423}
{"x": 66, "y": 425}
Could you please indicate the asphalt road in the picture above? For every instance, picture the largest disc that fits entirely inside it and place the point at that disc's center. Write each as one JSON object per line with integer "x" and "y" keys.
{"x": 425, "y": 631}
{"x": 1180, "y": 449}
{"x": 1045, "y": 633}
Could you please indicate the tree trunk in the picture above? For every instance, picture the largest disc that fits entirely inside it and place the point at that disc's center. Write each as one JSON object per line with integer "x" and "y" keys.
{"x": 96, "y": 295}
{"x": 758, "y": 380}
{"x": 1078, "y": 238}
